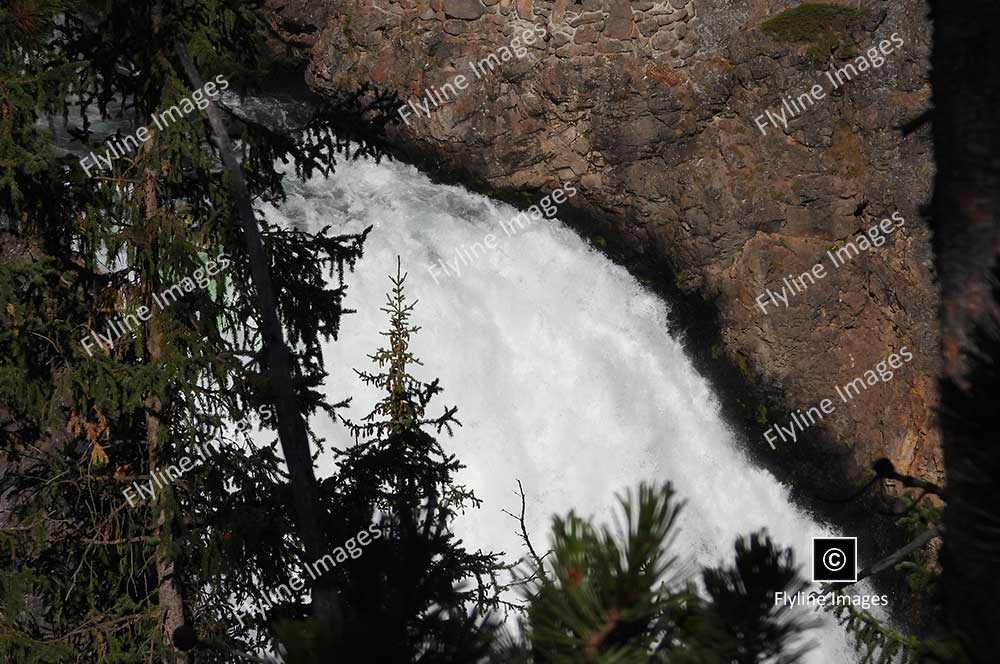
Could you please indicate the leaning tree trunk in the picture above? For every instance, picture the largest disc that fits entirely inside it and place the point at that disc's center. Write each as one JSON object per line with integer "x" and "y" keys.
{"x": 965, "y": 79}
{"x": 291, "y": 426}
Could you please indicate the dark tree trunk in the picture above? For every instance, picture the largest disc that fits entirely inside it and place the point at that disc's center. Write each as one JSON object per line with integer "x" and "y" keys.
{"x": 965, "y": 79}
{"x": 291, "y": 426}
{"x": 171, "y": 598}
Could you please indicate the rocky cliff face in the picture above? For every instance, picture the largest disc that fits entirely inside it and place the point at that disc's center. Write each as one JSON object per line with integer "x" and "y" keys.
{"x": 653, "y": 110}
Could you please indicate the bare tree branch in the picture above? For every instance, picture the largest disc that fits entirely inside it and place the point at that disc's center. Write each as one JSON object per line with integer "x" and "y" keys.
{"x": 892, "y": 560}
{"x": 524, "y": 529}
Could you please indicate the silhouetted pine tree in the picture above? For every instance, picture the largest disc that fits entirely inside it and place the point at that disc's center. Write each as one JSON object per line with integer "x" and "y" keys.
{"x": 416, "y": 594}
{"x": 971, "y": 422}
{"x": 83, "y": 575}
{"x": 965, "y": 220}
{"x": 603, "y": 596}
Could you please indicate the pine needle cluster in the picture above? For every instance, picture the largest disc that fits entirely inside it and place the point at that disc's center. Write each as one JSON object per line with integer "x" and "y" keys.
{"x": 619, "y": 596}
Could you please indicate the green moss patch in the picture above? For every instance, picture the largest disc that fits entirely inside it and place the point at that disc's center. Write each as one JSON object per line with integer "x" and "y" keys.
{"x": 808, "y": 22}
{"x": 744, "y": 368}
{"x": 820, "y": 26}
{"x": 761, "y": 414}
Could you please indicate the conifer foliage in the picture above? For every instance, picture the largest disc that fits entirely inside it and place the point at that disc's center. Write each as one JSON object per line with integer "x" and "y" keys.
{"x": 86, "y": 575}
{"x": 417, "y": 594}
{"x": 618, "y": 596}
{"x": 971, "y": 421}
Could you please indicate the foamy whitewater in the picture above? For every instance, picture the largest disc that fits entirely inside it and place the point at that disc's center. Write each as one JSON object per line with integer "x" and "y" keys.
{"x": 560, "y": 364}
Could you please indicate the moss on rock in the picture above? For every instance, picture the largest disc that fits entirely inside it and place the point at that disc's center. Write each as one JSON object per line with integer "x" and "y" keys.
{"x": 808, "y": 22}
{"x": 820, "y": 26}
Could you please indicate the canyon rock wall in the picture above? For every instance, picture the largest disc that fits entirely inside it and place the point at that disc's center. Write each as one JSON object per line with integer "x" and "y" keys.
{"x": 651, "y": 109}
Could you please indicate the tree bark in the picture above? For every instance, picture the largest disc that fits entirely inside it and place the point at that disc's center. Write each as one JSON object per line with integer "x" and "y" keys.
{"x": 965, "y": 80}
{"x": 171, "y": 598}
{"x": 291, "y": 426}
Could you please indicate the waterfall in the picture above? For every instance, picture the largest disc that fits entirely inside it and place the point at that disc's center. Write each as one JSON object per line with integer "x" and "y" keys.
{"x": 560, "y": 364}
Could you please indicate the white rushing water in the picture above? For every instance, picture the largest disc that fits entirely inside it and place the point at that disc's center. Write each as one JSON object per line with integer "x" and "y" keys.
{"x": 560, "y": 365}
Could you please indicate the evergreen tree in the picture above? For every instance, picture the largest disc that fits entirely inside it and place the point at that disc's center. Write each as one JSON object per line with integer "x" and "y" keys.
{"x": 416, "y": 594}
{"x": 86, "y": 575}
{"x": 971, "y": 420}
{"x": 617, "y": 596}
{"x": 964, "y": 214}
